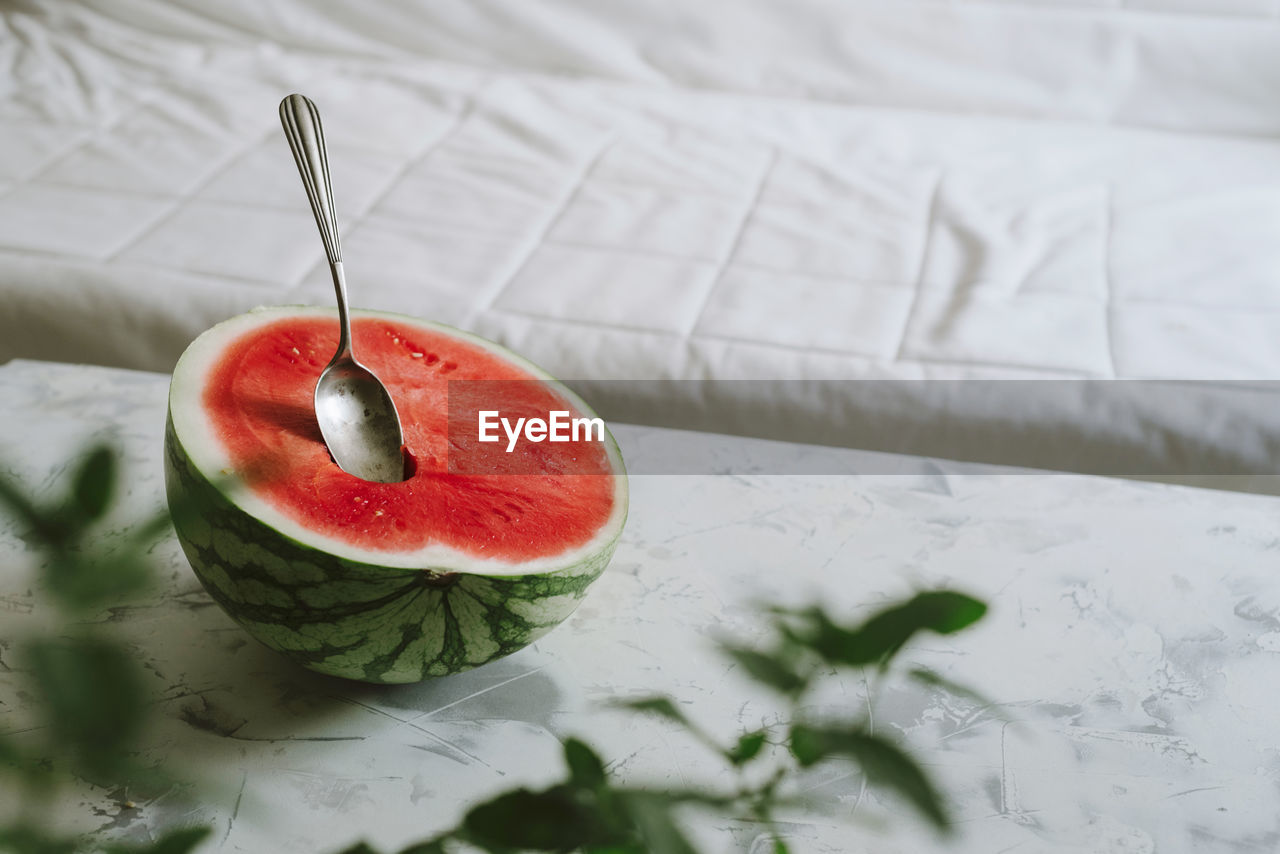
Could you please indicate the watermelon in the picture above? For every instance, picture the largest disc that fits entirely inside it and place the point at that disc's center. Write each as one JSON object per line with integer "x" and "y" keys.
{"x": 483, "y": 548}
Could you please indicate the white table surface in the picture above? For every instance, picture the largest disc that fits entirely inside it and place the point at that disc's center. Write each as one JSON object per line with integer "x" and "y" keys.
{"x": 1133, "y": 644}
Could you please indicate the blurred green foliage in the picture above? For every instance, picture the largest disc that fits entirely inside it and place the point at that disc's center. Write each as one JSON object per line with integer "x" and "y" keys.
{"x": 588, "y": 812}
{"x": 93, "y": 706}
{"x": 92, "y": 703}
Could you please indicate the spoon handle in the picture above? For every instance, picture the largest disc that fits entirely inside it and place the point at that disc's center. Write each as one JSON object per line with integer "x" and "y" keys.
{"x": 302, "y": 128}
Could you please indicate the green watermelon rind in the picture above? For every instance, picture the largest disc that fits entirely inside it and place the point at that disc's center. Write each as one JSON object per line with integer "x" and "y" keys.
{"x": 364, "y": 620}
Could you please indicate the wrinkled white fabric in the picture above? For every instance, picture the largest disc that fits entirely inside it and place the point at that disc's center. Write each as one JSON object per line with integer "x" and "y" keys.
{"x": 818, "y": 189}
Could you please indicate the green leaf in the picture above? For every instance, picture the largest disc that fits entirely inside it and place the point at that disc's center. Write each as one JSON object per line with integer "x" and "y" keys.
{"x": 19, "y": 505}
{"x": 585, "y": 768}
{"x": 945, "y": 611}
{"x": 677, "y": 797}
{"x": 664, "y": 707}
{"x": 551, "y": 820}
{"x": 87, "y": 581}
{"x": 158, "y": 525}
{"x": 93, "y": 697}
{"x": 22, "y": 839}
{"x": 94, "y": 483}
{"x": 748, "y": 747}
{"x": 41, "y": 528}
{"x": 651, "y": 813}
{"x": 769, "y": 670}
{"x": 780, "y": 847}
{"x": 10, "y": 756}
{"x": 882, "y": 635}
{"x": 884, "y": 764}
{"x": 937, "y": 680}
{"x": 657, "y": 705}
{"x": 433, "y": 846}
{"x": 359, "y": 848}
{"x": 808, "y": 745}
{"x": 175, "y": 842}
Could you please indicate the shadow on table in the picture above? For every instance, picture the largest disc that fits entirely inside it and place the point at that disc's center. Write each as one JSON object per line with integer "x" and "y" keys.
{"x": 219, "y": 682}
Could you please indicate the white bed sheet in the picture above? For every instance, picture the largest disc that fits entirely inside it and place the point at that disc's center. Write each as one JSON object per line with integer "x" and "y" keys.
{"x": 817, "y": 190}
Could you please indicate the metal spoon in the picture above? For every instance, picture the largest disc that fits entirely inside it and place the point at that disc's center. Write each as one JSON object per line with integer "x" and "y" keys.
{"x": 358, "y": 419}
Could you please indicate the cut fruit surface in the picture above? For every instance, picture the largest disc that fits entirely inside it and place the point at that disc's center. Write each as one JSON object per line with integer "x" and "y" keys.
{"x": 258, "y": 398}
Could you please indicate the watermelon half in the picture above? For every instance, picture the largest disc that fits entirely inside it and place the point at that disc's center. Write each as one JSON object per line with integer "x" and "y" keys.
{"x": 477, "y": 553}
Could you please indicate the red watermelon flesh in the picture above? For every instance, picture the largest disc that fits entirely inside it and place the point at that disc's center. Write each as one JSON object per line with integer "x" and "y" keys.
{"x": 473, "y": 497}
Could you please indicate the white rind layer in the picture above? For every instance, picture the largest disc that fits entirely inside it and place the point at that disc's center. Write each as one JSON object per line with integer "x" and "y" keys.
{"x": 209, "y": 455}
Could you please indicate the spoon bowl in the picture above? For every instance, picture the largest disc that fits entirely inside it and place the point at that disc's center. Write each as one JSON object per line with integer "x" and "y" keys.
{"x": 357, "y": 416}
{"x": 359, "y": 422}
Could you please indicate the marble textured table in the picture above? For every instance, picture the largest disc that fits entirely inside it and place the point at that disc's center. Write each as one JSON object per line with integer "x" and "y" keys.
{"x": 1133, "y": 646}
